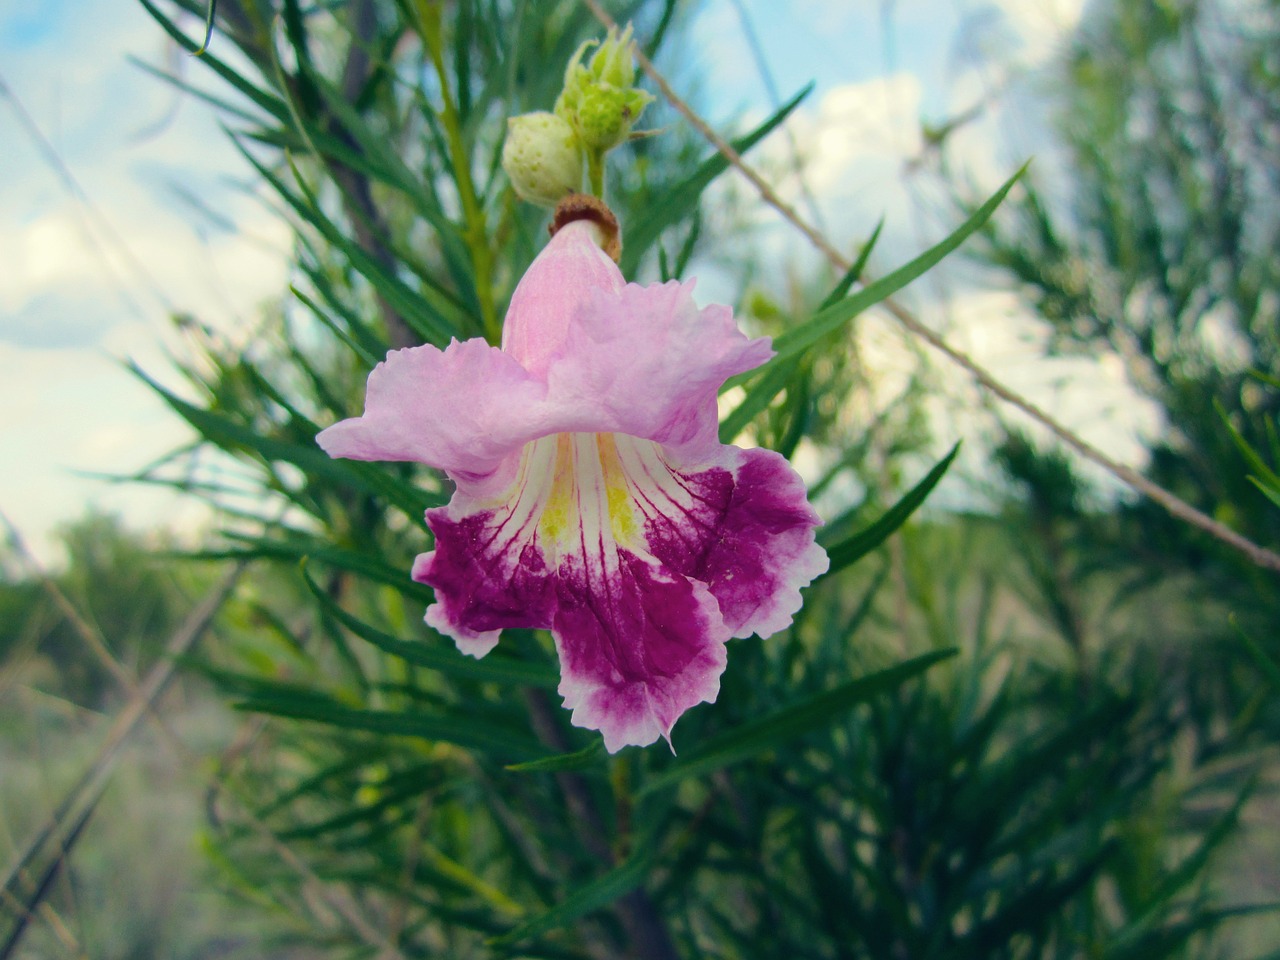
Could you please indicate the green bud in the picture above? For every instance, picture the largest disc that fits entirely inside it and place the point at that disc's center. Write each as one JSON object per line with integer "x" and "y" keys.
{"x": 599, "y": 98}
{"x": 542, "y": 157}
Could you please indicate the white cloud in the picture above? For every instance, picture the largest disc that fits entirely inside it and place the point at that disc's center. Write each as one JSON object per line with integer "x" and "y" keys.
{"x": 85, "y": 283}
{"x": 1040, "y": 25}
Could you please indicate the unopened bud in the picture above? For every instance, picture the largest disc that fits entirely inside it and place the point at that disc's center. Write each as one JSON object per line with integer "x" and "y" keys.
{"x": 599, "y": 98}
{"x": 542, "y": 157}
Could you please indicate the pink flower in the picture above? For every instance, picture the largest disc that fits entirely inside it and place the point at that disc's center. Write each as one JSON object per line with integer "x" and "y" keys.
{"x": 594, "y": 498}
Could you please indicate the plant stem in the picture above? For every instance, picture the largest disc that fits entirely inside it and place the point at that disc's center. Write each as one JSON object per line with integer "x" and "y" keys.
{"x": 645, "y": 928}
{"x": 595, "y": 172}
{"x": 476, "y": 231}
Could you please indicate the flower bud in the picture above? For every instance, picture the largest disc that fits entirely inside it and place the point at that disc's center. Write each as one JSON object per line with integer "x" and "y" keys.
{"x": 599, "y": 98}
{"x": 542, "y": 157}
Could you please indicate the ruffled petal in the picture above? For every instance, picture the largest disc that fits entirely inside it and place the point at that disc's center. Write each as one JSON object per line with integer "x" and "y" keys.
{"x": 764, "y": 549}
{"x": 639, "y": 645}
{"x": 564, "y": 548}
{"x": 451, "y": 409}
{"x": 584, "y": 354}
{"x": 593, "y": 496}
{"x": 489, "y": 569}
{"x": 646, "y": 361}
{"x": 741, "y": 524}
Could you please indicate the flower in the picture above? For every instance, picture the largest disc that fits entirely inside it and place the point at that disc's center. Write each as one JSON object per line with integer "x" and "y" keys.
{"x": 594, "y": 498}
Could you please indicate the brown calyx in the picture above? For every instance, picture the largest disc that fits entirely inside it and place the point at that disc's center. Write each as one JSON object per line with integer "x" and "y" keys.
{"x": 583, "y": 206}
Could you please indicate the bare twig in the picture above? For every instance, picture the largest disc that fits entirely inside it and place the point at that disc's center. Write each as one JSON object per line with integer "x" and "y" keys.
{"x": 1178, "y": 507}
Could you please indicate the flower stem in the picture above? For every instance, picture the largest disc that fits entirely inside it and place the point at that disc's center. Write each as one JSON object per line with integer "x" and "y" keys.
{"x": 476, "y": 232}
{"x": 620, "y": 775}
{"x": 595, "y": 172}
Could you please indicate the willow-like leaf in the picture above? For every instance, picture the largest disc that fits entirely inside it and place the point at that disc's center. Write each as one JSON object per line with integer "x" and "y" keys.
{"x": 797, "y": 341}
{"x": 463, "y": 730}
{"x": 494, "y": 668}
{"x": 811, "y": 713}
{"x": 231, "y": 435}
{"x": 589, "y": 756}
{"x": 596, "y": 895}
{"x": 849, "y": 550}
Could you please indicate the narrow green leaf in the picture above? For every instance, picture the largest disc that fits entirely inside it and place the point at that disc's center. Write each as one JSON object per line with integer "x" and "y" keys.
{"x": 809, "y": 714}
{"x": 1271, "y": 493}
{"x": 360, "y": 329}
{"x": 588, "y": 756}
{"x": 494, "y": 668}
{"x": 306, "y": 548}
{"x": 1266, "y": 478}
{"x": 1270, "y": 669}
{"x": 210, "y": 13}
{"x": 387, "y": 166}
{"x": 322, "y": 315}
{"x": 757, "y": 400}
{"x": 762, "y": 392}
{"x": 1266, "y": 378}
{"x": 224, "y": 107}
{"x": 851, "y": 549}
{"x": 1035, "y": 906}
{"x": 854, "y": 272}
{"x": 271, "y": 104}
{"x": 230, "y": 435}
{"x": 414, "y": 307}
{"x": 596, "y": 895}
{"x": 795, "y": 342}
{"x": 369, "y": 814}
{"x": 463, "y": 730}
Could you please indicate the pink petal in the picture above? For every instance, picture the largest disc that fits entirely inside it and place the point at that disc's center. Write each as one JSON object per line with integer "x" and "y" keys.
{"x": 556, "y": 284}
{"x": 646, "y": 361}
{"x": 453, "y": 409}
{"x": 594, "y": 498}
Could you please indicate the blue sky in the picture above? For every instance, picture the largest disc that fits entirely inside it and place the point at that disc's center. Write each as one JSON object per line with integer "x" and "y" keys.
{"x": 89, "y": 274}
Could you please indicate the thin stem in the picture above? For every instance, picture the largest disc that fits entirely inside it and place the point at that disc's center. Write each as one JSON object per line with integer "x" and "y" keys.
{"x": 595, "y": 172}
{"x": 645, "y": 928}
{"x": 1176, "y": 506}
{"x": 475, "y": 230}
{"x": 621, "y": 777}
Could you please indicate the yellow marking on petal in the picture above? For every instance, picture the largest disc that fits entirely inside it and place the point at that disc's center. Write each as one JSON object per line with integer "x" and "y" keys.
{"x": 562, "y": 502}
{"x": 622, "y": 514}
{"x": 623, "y": 518}
{"x": 589, "y": 466}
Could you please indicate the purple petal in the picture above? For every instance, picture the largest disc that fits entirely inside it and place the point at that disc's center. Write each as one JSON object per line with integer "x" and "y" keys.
{"x": 564, "y": 548}
{"x": 489, "y": 568}
{"x": 742, "y": 525}
{"x": 764, "y": 549}
{"x": 638, "y": 646}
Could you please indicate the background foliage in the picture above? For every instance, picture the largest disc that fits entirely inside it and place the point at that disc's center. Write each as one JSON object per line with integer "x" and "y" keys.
{"x": 1022, "y": 733}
